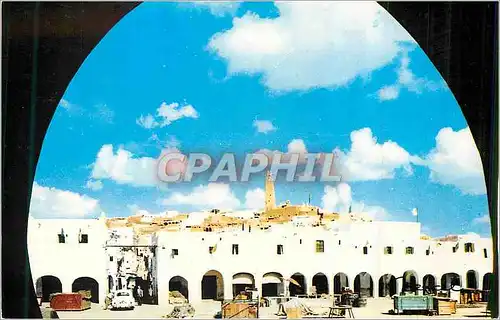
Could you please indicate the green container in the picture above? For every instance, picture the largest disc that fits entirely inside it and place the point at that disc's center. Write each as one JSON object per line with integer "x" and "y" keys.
{"x": 413, "y": 303}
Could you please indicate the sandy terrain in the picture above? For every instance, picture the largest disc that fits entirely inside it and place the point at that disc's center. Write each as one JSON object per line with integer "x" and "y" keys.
{"x": 377, "y": 308}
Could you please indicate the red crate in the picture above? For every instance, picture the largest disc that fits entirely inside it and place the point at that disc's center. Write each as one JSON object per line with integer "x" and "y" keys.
{"x": 69, "y": 302}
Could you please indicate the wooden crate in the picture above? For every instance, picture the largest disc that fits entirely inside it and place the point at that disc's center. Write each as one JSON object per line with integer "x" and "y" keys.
{"x": 453, "y": 305}
{"x": 293, "y": 313}
{"x": 238, "y": 310}
{"x": 444, "y": 310}
{"x": 444, "y": 306}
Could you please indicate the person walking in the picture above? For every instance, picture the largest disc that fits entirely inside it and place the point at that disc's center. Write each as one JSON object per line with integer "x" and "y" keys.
{"x": 107, "y": 300}
{"x": 140, "y": 295}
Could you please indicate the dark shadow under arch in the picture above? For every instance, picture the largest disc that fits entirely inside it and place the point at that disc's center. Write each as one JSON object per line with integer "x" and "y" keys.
{"x": 47, "y": 285}
{"x": 180, "y": 284}
{"x": 87, "y": 283}
{"x": 320, "y": 281}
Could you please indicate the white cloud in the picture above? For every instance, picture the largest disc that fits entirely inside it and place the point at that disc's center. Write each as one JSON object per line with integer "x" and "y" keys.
{"x": 407, "y": 80}
{"x": 311, "y": 44}
{"x": 169, "y": 142}
{"x": 369, "y": 160}
{"x": 166, "y": 115}
{"x": 154, "y": 141}
{"x": 47, "y": 202}
{"x": 94, "y": 185}
{"x": 147, "y": 121}
{"x": 482, "y": 220}
{"x": 124, "y": 168}
{"x": 374, "y": 212}
{"x": 455, "y": 161}
{"x": 254, "y": 199}
{"x": 296, "y": 146}
{"x": 99, "y": 111}
{"x": 388, "y": 92}
{"x": 218, "y": 8}
{"x": 218, "y": 196}
{"x": 339, "y": 199}
{"x": 264, "y": 126}
{"x": 211, "y": 196}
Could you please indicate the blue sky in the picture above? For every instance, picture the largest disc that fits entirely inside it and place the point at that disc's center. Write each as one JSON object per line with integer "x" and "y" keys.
{"x": 318, "y": 77}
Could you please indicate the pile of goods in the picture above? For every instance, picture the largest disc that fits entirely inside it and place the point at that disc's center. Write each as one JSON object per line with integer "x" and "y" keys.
{"x": 86, "y": 294}
{"x": 294, "y": 304}
{"x": 49, "y": 313}
{"x": 347, "y": 299}
{"x": 175, "y": 297}
{"x": 241, "y": 296}
{"x": 180, "y": 312}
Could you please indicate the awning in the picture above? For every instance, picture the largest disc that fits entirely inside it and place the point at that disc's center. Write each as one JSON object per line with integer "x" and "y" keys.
{"x": 271, "y": 278}
{"x": 243, "y": 279}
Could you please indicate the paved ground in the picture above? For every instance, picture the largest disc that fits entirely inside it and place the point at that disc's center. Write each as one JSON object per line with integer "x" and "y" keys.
{"x": 377, "y": 308}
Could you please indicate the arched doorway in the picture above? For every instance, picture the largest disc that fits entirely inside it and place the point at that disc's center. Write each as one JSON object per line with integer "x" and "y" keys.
{"x": 471, "y": 279}
{"x": 363, "y": 284}
{"x": 488, "y": 279}
{"x": 241, "y": 282}
{"x": 272, "y": 284}
{"x": 429, "y": 284}
{"x": 320, "y": 281}
{"x": 297, "y": 289}
{"x": 448, "y": 280}
{"x": 47, "y": 285}
{"x": 387, "y": 286}
{"x": 340, "y": 281}
{"x": 410, "y": 280}
{"x": 212, "y": 286}
{"x": 179, "y": 284}
{"x": 87, "y": 284}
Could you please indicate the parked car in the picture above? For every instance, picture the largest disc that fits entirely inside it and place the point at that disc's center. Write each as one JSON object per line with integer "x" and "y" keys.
{"x": 123, "y": 299}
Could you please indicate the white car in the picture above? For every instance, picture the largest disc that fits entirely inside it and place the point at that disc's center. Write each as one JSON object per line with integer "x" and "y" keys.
{"x": 123, "y": 299}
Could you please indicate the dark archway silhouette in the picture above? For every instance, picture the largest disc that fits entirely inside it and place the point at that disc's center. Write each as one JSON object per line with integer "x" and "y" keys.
{"x": 429, "y": 284}
{"x": 488, "y": 281}
{"x": 448, "y": 280}
{"x": 180, "y": 284}
{"x": 363, "y": 284}
{"x": 340, "y": 280}
{"x": 87, "y": 283}
{"x": 47, "y": 285}
{"x": 212, "y": 286}
{"x": 294, "y": 289}
{"x": 410, "y": 281}
{"x": 272, "y": 284}
{"x": 320, "y": 281}
{"x": 387, "y": 286}
{"x": 471, "y": 279}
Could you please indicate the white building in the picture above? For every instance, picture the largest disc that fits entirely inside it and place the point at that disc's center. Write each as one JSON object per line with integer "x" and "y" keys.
{"x": 377, "y": 258}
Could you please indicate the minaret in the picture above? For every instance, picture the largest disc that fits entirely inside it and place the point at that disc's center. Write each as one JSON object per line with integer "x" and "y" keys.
{"x": 270, "y": 197}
